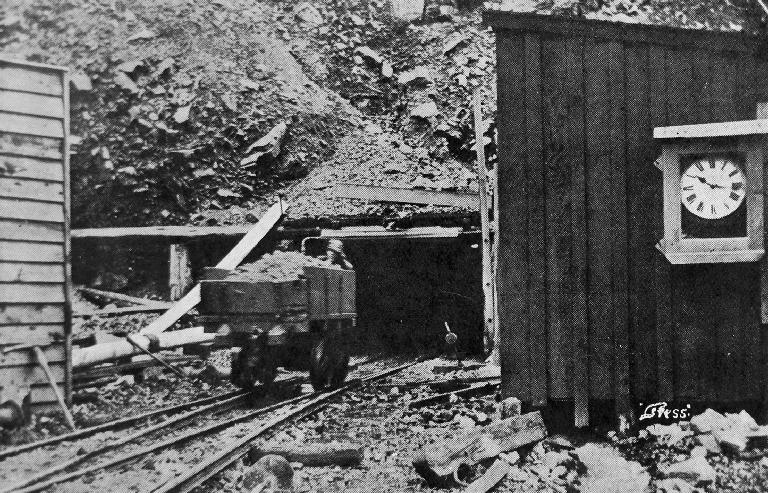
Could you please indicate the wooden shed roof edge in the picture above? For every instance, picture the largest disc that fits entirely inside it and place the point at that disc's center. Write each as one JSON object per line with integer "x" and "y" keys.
{"x": 23, "y": 63}
{"x": 648, "y": 33}
{"x": 704, "y": 130}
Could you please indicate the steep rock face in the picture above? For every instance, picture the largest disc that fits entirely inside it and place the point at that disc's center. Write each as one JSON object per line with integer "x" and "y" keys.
{"x": 170, "y": 96}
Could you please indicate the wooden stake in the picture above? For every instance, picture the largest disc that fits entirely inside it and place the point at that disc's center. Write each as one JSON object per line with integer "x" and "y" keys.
{"x": 180, "y": 273}
{"x": 52, "y": 381}
{"x": 482, "y": 182}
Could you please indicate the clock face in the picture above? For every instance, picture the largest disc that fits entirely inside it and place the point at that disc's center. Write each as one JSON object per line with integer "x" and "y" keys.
{"x": 713, "y": 187}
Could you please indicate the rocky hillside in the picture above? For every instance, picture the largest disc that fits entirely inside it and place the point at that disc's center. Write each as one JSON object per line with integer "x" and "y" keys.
{"x": 202, "y": 111}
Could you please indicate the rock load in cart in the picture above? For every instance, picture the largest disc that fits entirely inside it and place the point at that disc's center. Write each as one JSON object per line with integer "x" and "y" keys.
{"x": 286, "y": 309}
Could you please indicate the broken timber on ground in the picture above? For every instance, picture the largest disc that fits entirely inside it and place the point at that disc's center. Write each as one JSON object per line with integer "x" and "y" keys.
{"x": 347, "y": 454}
{"x": 474, "y": 390}
{"x": 439, "y": 462}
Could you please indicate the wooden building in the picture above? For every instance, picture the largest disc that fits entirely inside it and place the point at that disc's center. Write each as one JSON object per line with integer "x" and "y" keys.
{"x": 590, "y": 310}
{"x": 34, "y": 230}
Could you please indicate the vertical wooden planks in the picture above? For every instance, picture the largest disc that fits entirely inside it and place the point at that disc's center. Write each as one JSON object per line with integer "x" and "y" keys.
{"x": 574, "y": 49}
{"x": 558, "y": 219}
{"x": 619, "y": 265}
{"x": 537, "y": 240}
{"x": 663, "y": 283}
{"x": 513, "y": 242}
{"x": 599, "y": 217}
{"x": 643, "y": 181}
{"x": 619, "y": 320}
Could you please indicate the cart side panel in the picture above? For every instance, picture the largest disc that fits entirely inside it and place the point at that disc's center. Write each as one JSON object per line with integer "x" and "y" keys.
{"x": 331, "y": 293}
{"x": 244, "y": 297}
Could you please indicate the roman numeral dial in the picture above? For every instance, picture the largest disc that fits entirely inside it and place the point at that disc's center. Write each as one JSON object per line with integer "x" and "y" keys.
{"x": 713, "y": 187}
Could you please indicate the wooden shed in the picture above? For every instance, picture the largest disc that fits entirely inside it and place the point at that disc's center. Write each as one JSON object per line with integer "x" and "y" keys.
{"x": 34, "y": 230}
{"x": 589, "y": 309}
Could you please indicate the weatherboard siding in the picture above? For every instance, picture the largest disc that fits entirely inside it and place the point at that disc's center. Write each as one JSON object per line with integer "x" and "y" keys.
{"x": 34, "y": 228}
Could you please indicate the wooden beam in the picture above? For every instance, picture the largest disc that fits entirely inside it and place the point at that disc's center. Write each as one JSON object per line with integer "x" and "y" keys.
{"x": 702, "y": 130}
{"x": 170, "y": 232}
{"x": 568, "y": 26}
{"x": 109, "y": 295}
{"x": 179, "y": 271}
{"x": 128, "y": 310}
{"x": 407, "y": 195}
{"x": 489, "y": 337}
{"x": 230, "y": 261}
{"x": 380, "y": 232}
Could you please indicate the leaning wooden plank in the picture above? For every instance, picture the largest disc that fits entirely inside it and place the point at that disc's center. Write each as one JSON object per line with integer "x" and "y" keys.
{"x": 230, "y": 261}
{"x": 20, "y": 251}
{"x": 31, "y": 104}
{"x": 43, "y": 361}
{"x": 128, "y": 310}
{"x": 437, "y": 462}
{"x": 22, "y": 79}
{"x": 109, "y": 295}
{"x": 407, "y": 195}
{"x": 31, "y": 125}
{"x": 31, "y": 210}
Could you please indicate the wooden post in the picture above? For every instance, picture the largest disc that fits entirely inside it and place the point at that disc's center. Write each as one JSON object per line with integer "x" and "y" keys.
{"x": 762, "y": 112}
{"x": 52, "y": 381}
{"x": 180, "y": 273}
{"x": 482, "y": 182}
{"x": 496, "y": 355}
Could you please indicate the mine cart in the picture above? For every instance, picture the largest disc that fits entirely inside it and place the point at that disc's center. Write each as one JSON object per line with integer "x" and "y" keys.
{"x": 302, "y": 323}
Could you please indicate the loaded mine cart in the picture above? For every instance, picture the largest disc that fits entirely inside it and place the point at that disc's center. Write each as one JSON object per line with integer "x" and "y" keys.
{"x": 286, "y": 309}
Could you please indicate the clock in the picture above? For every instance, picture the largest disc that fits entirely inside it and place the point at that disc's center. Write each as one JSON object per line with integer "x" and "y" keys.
{"x": 713, "y": 187}
{"x": 713, "y": 191}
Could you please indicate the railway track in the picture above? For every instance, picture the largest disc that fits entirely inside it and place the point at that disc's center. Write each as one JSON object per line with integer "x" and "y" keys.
{"x": 176, "y": 454}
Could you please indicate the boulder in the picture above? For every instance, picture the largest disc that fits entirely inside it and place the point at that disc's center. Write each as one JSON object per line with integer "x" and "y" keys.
{"x": 707, "y": 421}
{"x": 707, "y": 440}
{"x": 732, "y": 439}
{"x": 695, "y": 470}
{"x": 674, "y": 485}
{"x": 510, "y": 407}
{"x": 271, "y": 471}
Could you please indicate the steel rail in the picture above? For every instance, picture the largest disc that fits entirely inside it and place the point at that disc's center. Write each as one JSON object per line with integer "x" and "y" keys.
{"x": 155, "y": 447}
{"x": 112, "y": 425}
{"x": 199, "y": 473}
{"x": 62, "y": 466}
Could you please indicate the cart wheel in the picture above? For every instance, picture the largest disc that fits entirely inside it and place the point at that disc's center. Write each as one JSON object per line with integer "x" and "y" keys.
{"x": 329, "y": 359}
{"x": 254, "y": 364}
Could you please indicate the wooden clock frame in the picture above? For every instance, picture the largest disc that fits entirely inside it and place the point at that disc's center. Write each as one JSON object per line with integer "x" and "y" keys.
{"x": 746, "y": 138}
